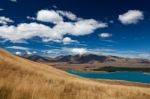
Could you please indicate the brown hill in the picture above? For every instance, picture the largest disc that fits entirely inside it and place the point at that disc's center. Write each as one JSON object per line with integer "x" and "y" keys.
{"x": 24, "y": 79}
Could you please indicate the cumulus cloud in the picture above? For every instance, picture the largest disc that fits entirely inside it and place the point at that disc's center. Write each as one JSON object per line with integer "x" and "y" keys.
{"x": 65, "y": 51}
{"x": 23, "y": 50}
{"x": 79, "y": 28}
{"x": 49, "y": 16}
{"x": 68, "y": 15}
{"x": 29, "y": 53}
{"x": 87, "y": 26}
{"x": 131, "y": 17}
{"x": 31, "y": 18}
{"x": 105, "y": 35}
{"x": 18, "y": 34}
{"x": 18, "y": 53}
{"x": 68, "y": 40}
{"x": 34, "y": 52}
{"x": 55, "y": 16}
{"x": 24, "y": 31}
{"x": 5, "y": 20}
{"x": 17, "y": 47}
{"x": 79, "y": 51}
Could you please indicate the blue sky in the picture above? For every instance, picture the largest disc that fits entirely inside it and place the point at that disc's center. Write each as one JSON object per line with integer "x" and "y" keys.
{"x": 54, "y": 27}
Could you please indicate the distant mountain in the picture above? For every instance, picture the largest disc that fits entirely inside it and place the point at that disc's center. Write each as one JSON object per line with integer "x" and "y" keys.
{"x": 37, "y": 58}
{"x": 85, "y": 58}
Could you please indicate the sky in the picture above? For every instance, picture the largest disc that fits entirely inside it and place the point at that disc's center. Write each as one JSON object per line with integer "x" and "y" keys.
{"x": 63, "y": 27}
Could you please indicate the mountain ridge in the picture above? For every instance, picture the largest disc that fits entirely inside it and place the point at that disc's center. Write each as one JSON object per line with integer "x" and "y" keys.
{"x": 84, "y": 58}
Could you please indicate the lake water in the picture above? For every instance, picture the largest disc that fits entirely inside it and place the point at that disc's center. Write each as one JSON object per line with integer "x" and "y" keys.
{"x": 127, "y": 76}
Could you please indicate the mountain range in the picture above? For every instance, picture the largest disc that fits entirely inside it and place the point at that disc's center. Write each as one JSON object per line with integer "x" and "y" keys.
{"x": 85, "y": 58}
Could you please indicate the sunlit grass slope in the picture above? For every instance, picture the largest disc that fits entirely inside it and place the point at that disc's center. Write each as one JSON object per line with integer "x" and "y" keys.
{"x": 24, "y": 79}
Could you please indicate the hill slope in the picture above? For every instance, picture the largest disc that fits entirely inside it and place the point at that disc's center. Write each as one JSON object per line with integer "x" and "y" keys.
{"x": 24, "y": 79}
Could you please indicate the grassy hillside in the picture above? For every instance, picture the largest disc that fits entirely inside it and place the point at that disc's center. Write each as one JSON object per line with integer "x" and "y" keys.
{"x": 24, "y": 79}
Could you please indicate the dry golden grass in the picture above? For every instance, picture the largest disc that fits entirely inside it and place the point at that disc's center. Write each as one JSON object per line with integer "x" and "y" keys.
{"x": 24, "y": 79}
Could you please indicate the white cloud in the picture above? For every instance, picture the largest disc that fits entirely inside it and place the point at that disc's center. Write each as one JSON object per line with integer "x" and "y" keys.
{"x": 55, "y": 16}
{"x": 18, "y": 53}
{"x": 68, "y": 14}
{"x": 105, "y": 35}
{"x": 34, "y": 52}
{"x": 79, "y": 28}
{"x": 144, "y": 55}
{"x": 49, "y": 16}
{"x": 13, "y": 0}
{"x": 29, "y": 53}
{"x": 31, "y": 18}
{"x": 17, "y": 47}
{"x": 131, "y": 17}
{"x": 79, "y": 51}
{"x": 18, "y": 34}
{"x": 24, "y": 31}
{"x": 68, "y": 40}
{"x": 87, "y": 26}
{"x": 26, "y": 50}
{"x": 5, "y": 20}
{"x": 65, "y": 51}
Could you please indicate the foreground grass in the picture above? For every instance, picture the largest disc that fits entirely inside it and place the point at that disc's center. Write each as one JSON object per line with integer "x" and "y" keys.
{"x": 23, "y": 79}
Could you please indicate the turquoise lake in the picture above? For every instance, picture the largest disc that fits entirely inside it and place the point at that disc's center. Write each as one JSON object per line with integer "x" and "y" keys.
{"x": 127, "y": 76}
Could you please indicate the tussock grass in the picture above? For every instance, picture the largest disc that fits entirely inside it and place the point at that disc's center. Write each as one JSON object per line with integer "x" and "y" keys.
{"x": 24, "y": 79}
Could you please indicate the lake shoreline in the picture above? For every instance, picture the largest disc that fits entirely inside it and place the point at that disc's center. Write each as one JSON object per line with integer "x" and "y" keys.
{"x": 99, "y": 67}
{"x": 119, "y": 82}
{"x": 101, "y": 71}
{"x": 115, "y": 69}
{"x": 87, "y": 68}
